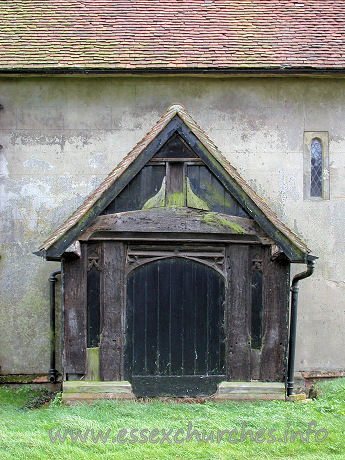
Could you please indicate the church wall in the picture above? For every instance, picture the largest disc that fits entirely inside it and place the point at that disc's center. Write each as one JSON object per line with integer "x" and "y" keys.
{"x": 61, "y": 136}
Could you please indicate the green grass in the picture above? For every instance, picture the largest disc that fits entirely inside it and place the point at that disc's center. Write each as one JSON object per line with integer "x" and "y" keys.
{"x": 24, "y": 431}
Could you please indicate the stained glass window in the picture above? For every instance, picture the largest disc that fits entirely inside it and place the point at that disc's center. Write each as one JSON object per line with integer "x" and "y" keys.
{"x": 316, "y": 168}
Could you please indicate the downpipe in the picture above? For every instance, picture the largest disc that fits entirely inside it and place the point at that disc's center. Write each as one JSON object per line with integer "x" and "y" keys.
{"x": 293, "y": 322}
{"x": 52, "y": 371}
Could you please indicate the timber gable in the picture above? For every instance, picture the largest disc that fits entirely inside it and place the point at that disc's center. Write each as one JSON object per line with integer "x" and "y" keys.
{"x": 177, "y": 166}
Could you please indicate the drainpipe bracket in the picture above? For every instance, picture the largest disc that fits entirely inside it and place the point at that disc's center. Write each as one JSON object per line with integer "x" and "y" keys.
{"x": 53, "y": 374}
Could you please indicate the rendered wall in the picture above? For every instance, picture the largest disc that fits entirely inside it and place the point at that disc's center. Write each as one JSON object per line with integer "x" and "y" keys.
{"x": 61, "y": 136}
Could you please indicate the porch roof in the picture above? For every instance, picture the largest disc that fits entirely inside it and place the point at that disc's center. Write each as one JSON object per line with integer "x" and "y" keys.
{"x": 253, "y": 204}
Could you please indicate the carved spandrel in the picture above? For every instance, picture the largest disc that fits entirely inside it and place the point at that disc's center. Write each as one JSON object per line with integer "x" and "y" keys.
{"x": 94, "y": 257}
{"x": 215, "y": 260}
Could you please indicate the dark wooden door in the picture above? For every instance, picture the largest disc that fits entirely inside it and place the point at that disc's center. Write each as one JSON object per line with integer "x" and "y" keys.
{"x": 174, "y": 328}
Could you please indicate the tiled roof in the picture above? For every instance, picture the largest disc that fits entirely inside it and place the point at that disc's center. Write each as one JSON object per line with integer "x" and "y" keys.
{"x": 173, "y": 35}
{"x": 126, "y": 162}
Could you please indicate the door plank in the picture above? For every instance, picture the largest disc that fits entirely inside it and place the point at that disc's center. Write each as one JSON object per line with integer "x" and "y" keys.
{"x": 175, "y": 323}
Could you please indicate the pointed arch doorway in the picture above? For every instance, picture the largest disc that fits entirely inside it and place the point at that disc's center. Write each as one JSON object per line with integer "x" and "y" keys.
{"x": 175, "y": 328}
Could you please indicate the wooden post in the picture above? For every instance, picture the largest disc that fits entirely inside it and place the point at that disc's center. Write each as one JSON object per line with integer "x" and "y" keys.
{"x": 113, "y": 323}
{"x": 276, "y": 284}
{"x": 74, "y": 273}
{"x": 236, "y": 313}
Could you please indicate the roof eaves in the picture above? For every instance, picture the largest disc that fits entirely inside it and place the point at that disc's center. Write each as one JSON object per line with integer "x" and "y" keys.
{"x": 235, "y": 70}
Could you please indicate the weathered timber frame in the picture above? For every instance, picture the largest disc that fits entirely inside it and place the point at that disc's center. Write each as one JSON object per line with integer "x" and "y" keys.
{"x": 234, "y": 261}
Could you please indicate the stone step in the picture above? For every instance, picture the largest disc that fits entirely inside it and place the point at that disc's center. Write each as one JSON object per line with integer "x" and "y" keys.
{"x": 88, "y": 391}
{"x": 71, "y": 398}
{"x": 250, "y": 391}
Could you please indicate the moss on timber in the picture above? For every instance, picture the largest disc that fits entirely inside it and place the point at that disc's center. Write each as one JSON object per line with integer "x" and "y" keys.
{"x": 212, "y": 218}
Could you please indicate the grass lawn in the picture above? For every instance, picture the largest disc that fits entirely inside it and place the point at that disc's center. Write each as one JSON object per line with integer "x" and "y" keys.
{"x": 24, "y": 430}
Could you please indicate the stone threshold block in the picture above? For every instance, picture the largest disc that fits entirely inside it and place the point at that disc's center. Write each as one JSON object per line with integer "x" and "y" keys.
{"x": 89, "y": 391}
{"x": 250, "y": 391}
